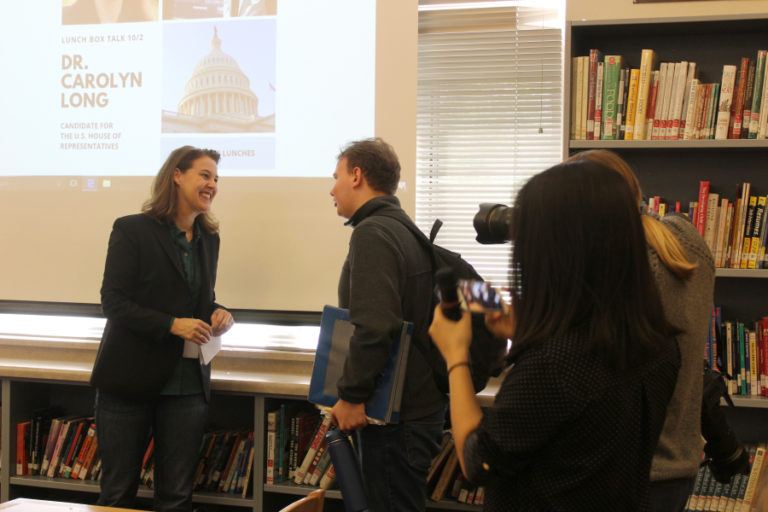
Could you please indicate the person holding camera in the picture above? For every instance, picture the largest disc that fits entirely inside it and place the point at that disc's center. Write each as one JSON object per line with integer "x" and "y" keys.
{"x": 593, "y": 362}
{"x": 386, "y": 279}
{"x": 684, "y": 273}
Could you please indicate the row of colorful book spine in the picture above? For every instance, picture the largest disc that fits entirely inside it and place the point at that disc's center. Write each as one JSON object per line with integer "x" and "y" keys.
{"x": 67, "y": 447}
{"x": 224, "y": 464}
{"x": 736, "y": 231}
{"x": 297, "y": 448}
{"x": 740, "y": 351}
{"x": 741, "y": 494}
{"x": 666, "y": 101}
{"x": 57, "y": 446}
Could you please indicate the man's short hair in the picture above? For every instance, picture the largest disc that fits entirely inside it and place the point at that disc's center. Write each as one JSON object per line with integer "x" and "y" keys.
{"x": 377, "y": 160}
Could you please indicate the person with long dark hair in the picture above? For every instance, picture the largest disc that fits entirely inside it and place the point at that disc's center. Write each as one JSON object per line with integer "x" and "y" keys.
{"x": 684, "y": 272}
{"x": 593, "y": 362}
{"x": 158, "y": 297}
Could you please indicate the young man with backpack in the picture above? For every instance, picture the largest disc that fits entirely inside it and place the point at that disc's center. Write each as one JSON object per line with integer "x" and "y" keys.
{"x": 387, "y": 278}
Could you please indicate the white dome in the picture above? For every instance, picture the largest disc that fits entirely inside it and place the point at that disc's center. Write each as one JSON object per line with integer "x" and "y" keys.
{"x": 218, "y": 87}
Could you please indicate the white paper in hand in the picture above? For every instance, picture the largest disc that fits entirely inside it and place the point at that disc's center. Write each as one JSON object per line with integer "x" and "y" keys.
{"x": 209, "y": 350}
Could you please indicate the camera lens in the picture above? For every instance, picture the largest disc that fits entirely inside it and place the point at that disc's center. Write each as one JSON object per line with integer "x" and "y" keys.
{"x": 492, "y": 223}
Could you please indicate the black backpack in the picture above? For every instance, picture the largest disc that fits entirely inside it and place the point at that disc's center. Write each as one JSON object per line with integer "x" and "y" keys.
{"x": 486, "y": 353}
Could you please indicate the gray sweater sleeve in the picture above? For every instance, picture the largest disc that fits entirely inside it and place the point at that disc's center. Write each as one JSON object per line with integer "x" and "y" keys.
{"x": 375, "y": 270}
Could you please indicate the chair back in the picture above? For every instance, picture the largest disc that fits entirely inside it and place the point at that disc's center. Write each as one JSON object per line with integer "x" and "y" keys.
{"x": 313, "y": 502}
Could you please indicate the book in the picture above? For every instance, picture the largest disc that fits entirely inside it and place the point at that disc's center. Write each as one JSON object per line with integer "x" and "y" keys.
{"x": 758, "y": 465}
{"x": 652, "y": 110}
{"x": 737, "y": 106}
{"x": 317, "y": 440}
{"x": 677, "y": 99}
{"x": 598, "y": 101}
{"x": 595, "y": 56}
{"x": 647, "y": 64}
{"x": 756, "y": 231}
{"x": 65, "y": 469}
{"x": 303, "y": 428}
{"x": 329, "y": 478}
{"x": 446, "y": 476}
{"x": 272, "y": 418}
{"x": 573, "y": 127}
{"x": 64, "y": 434}
{"x": 748, "y": 95}
{"x": 689, "y": 77}
{"x": 583, "y": 90}
{"x": 621, "y": 106}
{"x": 701, "y": 212}
{"x": 206, "y": 447}
{"x": 313, "y": 467}
{"x": 22, "y": 444}
{"x": 749, "y": 224}
{"x": 248, "y": 469}
{"x": 693, "y": 97}
{"x": 714, "y": 93}
{"x": 710, "y": 226}
{"x": 727, "y": 83}
{"x": 612, "y": 65}
{"x": 666, "y": 74}
{"x": 88, "y": 459}
{"x": 634, "y": 76}
{"x": 757, "y": 94}
{"x": 332, "y": 347}
{"x": 50, "y": 444}
{"x": 227, "y": 469}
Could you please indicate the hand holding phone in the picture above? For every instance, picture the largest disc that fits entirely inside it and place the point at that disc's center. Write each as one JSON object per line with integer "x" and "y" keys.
{"x": 481, "y": 295}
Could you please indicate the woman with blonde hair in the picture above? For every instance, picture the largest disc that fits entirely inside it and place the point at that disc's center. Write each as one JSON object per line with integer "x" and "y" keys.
{"x": 159, "y": 301}
{"x": 684, "y": 272}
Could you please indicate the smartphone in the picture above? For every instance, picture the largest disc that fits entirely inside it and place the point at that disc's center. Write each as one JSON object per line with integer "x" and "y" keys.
{"x": 481, "y": 294}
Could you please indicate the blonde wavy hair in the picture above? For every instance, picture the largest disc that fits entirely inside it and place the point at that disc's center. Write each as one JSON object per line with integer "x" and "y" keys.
{"x": 670, "y": 252}
{"x": 162, "y": 204}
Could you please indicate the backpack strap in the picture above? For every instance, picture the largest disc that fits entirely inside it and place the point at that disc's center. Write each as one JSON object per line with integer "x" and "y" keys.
{"x": 435, "y": 228}
{"x": 427, "y": 243}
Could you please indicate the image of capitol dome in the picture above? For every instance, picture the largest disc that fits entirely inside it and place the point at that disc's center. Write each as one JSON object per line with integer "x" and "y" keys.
{"x": 218, "y": 97}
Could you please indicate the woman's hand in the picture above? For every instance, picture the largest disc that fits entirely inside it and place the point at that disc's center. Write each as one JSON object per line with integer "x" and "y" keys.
{"x": 221, "y": 321}
{"x": 192, "y": 329}
{"x": 452, "y": 338}
{"x": 501, "y": 323}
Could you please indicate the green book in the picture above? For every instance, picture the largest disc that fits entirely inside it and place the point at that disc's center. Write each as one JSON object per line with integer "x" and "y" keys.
{"x": 611, "y": 73}
{"x": 757, "y": 94}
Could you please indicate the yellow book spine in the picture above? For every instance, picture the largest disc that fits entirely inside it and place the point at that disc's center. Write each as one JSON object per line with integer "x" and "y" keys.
{"x": 634, "y": 78}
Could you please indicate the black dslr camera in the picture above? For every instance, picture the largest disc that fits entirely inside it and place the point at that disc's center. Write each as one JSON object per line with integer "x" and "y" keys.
{"x": 492, "y": 223}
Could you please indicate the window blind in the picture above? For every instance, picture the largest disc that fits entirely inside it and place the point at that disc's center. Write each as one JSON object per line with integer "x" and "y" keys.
{"x": 489, "y": 115}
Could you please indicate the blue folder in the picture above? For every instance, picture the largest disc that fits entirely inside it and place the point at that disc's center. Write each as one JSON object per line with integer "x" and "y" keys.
{"x": 332, "y": 348}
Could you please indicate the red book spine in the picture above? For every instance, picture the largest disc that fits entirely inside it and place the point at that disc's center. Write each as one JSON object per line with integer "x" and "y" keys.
{"x": 701, "y": 210}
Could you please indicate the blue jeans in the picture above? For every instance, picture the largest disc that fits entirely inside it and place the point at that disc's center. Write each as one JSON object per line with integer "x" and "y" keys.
{"x": 670, "y": 495}
{"x": 123, "y": 430}
{"x": 395, "y": 462}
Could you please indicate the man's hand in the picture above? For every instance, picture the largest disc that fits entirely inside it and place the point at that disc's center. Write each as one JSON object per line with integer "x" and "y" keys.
{"x": 348, "y": 416}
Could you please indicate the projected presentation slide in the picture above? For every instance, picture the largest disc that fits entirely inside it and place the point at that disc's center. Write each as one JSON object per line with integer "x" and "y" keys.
{"x": 110, "y": 87}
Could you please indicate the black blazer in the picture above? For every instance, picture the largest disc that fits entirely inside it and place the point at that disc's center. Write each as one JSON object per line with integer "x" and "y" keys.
{"x": 143, "y": 287}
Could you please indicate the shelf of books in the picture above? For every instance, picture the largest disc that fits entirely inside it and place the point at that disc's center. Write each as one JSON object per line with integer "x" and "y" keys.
{"x": 297, "y": 460}
{"x": 256, "y": 453}
{"x": 55, "y": 446}
{"x": 685, "y": 102}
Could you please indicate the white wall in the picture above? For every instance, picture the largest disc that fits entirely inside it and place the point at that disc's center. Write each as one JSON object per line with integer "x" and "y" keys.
{"x": 621, "y": 9}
